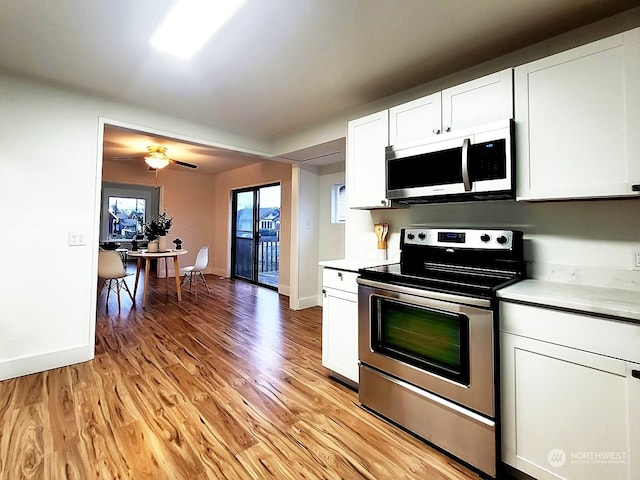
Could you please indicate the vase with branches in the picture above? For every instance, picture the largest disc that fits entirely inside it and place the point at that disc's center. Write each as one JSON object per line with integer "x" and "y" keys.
{"x": 157, "y": 229}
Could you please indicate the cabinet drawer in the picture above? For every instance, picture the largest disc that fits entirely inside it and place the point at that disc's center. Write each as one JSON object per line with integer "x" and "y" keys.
{"x": 340, "y": 280}
{"x": 604, "y": 336}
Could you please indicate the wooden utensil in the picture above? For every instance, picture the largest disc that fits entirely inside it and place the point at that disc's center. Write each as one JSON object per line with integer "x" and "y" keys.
{"x": 378, "y": 228}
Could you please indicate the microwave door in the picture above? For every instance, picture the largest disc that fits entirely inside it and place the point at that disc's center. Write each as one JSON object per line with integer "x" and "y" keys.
{"x": 425, "y": 170}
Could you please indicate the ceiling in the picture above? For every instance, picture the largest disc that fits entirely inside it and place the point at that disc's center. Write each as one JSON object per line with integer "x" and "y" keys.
{"x": 278, "y": 66}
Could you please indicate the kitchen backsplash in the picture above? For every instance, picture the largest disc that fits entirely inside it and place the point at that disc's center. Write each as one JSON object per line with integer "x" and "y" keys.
{"x": 582, "y": 242}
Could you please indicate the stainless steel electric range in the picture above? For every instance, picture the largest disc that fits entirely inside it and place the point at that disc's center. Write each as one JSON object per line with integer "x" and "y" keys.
{"x": 428, "y": 337}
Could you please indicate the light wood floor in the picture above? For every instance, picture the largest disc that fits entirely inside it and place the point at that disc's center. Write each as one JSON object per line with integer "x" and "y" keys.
{"x": 229, "y": 388}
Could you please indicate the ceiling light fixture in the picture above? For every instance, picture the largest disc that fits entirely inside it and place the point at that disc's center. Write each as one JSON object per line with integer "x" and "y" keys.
{"x": 157, "y": 157}
{"x": 190, "y": 23}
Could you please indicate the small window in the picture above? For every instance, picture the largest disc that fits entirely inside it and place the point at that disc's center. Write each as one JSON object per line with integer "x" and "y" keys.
{"x": 126, "y": 217}
{"x": 338, "y": 203}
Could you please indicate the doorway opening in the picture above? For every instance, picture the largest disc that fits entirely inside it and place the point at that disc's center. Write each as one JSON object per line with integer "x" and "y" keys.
{"x": 255, "y": 245}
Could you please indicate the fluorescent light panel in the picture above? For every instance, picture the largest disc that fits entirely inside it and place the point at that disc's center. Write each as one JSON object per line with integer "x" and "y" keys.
{"x": 190, "y": 23}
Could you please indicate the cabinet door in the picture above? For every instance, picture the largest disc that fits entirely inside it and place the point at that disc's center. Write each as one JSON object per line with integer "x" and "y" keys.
{"x": 367, "y": 138}
{"x": 417, "y": 119}
{"x": 577, "y": 121}
{"x": 340, "y": 333}
{"x": 566, "y": 413}
{"x": 484, "y": 100}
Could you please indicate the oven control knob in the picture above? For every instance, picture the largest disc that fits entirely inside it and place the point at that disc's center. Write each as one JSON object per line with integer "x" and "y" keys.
{"x": 502, "y": 239}
{"x": 485, "y": 237}
{"x": 410, "y": 236}
{"x": 421, "y": 236}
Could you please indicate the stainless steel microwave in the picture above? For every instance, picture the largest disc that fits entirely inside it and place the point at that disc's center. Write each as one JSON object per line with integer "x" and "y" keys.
{"x": 468, "y": 165}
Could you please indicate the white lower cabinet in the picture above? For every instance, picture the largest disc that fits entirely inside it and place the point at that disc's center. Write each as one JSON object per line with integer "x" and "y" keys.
{"x": 340, "y": 323}
{"x": 569, "y": 413}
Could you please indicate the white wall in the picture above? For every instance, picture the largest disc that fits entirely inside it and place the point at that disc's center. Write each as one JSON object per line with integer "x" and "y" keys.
{"x": 304, "y": 238}
{"x": 50, "y": 169}
{"x": 330, "y": 235}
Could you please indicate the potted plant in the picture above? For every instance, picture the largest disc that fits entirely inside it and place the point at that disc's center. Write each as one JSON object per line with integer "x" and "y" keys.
{"x": 156, "y": 231}
{"x": 178, "y": 243}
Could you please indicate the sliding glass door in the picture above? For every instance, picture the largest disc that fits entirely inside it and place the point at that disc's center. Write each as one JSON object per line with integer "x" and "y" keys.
{"x": 255, "y": 247}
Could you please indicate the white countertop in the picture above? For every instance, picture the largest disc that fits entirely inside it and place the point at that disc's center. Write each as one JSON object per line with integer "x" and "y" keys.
{"x": 580, "y": 298}
{"x": 353, "y": 265}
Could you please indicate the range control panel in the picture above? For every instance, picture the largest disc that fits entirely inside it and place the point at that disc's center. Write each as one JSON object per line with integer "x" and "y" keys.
{"x": 458, "y": 238}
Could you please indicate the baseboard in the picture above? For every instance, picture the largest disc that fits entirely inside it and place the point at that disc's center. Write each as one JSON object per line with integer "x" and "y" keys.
{"x": 307, "y": 302}
{"x": 284, "y": 290}
{"x": 220, "y": 272}
{"x": 19, "y": 367}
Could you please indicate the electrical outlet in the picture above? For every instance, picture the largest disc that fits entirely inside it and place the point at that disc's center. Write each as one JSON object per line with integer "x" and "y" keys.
{"x": 76, "y": 239}
{"x": 635, "y": 262}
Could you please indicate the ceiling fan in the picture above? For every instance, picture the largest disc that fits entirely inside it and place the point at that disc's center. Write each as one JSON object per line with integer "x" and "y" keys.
{"x": 157, "y": 158}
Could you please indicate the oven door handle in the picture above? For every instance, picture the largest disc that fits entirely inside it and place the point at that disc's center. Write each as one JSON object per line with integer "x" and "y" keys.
{"x": 447, "y": 297}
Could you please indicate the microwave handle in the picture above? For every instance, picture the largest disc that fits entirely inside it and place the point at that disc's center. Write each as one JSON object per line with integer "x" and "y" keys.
{"x": 465, "y": 165}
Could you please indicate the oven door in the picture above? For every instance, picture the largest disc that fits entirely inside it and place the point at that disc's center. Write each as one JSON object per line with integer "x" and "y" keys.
{"x": 439, "y": 342}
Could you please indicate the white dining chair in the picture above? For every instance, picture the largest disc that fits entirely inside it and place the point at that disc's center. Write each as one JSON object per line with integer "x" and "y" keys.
{"x": 112, "y": 273}
{"x": 193, "y": 273}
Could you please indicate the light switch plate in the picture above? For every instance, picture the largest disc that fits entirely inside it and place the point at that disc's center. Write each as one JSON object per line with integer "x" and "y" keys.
{"x": 76, "y": 239}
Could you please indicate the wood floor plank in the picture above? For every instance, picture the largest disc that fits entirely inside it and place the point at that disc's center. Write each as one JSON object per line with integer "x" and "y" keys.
{"x": 61, "y": 408}
{"x": 230, "y": 387}
{"x": 99, "y": 451}
{"x": 22, "y": 450}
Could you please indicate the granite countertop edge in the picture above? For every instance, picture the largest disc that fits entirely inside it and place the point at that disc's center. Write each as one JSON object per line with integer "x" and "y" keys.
{"x": 586, "y": 299}
{"x": 355, "y": 264}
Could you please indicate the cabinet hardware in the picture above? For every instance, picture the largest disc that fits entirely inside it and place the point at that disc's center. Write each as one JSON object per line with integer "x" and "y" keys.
{"x": 340, "y": 275}
{"x": 324, "y": 292}
{"x": 636, "y": 187}
{"x": 448, "y": 129}
{"x": 635, "y": 373}
{"x": 436, "y": 131}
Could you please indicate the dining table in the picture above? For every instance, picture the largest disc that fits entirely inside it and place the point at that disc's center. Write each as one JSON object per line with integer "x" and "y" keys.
{"x": 147, "y": 256}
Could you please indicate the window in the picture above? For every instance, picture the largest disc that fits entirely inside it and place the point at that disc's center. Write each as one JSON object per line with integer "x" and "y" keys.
{"x": 127, "y": 217}
{"x": 338, "y": 203}
{"x": 125, "y": 209}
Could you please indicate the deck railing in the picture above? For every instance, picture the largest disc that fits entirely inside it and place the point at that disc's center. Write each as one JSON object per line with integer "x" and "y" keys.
{"x": 268, "y": 256}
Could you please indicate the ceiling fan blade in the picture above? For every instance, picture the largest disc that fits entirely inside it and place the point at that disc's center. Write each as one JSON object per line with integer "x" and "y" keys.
{"x": 126, "y": 158}
{"x": 184, "y": 164}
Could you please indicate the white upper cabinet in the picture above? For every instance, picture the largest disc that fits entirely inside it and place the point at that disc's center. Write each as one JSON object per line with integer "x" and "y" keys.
{"x": 416, "y": 119}
{"x": 479, "y": 101}
{"x": 367, "y": 138}
{"x": 577, "y": 121}
{"x": 484, "y": 100}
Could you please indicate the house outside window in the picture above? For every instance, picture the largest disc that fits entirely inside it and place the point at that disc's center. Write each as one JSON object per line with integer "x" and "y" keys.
{"x": 126, "y": 217}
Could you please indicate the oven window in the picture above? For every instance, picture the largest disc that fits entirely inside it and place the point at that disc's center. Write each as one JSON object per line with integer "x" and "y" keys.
{"x": 433, "y": 340}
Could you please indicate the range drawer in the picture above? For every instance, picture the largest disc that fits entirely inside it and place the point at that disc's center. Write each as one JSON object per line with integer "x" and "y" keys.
{"x": 340, "y": 280}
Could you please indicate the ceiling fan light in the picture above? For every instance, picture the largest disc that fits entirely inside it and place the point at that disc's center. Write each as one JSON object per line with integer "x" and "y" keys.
{"x": 156, "y": 161}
